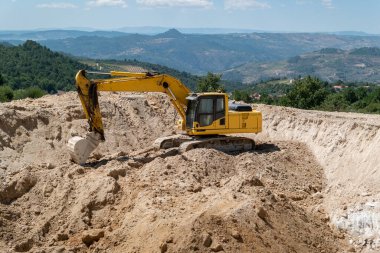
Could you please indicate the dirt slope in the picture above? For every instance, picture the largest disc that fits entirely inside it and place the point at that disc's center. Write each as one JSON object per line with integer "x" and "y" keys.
{"x": 347, "y": 145}
{"x": 268, "y": 200}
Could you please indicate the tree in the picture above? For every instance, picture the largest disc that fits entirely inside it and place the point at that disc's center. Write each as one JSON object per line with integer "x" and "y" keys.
{"x": 307, "y": 93}
{"x": 350, "y": 95}
{"x": 335, "y": 102}
{"x": 266, "y": 99}
{"x": 209, "y": 83}
{"x": 241, "y": 95}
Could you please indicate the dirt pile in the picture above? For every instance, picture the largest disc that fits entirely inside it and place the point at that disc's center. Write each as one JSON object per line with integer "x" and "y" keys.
{"x": 268, "y": 200}
{"x": 34, "y": 132}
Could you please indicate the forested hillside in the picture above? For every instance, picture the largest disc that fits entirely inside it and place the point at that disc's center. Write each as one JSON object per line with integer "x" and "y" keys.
{"x": 31, "y": 70}
{"x": 31, "y": 65}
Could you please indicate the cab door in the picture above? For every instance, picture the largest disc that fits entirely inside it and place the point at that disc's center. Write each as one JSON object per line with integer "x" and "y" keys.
{"x": 220, "y": 112}
{"x": 211, "y": 112}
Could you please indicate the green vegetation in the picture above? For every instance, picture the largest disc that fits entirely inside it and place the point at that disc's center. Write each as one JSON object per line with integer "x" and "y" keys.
{"x": 30, "y": 92}
{"x": 6, "y": 94}
{"x": 31, "y": 70}
{"x": 307, "y": 93}
{"x": 242, "y": 95}
{"x": 210, "y": 82}
{"x": 312, "y": 93}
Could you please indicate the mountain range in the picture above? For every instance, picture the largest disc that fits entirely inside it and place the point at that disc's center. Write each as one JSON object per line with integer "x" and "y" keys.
{"x": 200, "y": 53}
{"x": 246, "y": 57}
{"x": 329, "y": 64}
{"x": 21, "y": 36}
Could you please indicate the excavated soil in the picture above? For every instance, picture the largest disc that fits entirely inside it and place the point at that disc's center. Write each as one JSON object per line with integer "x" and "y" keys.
{"x": 277, "y": 198}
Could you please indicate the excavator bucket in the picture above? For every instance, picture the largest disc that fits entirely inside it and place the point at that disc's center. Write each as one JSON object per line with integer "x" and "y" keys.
{"x": 81, "y": 148}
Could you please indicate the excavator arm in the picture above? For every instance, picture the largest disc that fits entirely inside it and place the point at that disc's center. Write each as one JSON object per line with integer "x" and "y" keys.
{"x": 121, "y": 81}
{"x": 125, "y": 81}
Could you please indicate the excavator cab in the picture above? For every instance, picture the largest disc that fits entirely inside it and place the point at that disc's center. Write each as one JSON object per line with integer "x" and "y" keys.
{"x": 211, "y": 114}
{"x": 206, "y": 111}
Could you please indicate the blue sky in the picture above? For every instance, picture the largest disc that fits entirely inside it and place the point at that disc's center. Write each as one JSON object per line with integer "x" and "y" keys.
{"x": 270, "y": 15}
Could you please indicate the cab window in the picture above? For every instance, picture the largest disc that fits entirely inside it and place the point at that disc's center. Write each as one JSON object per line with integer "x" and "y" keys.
{"x": 190, "y": 113}
{"x": 206, "y": 111}
{"x": 206, "y": 105}
{"x": 220, "y": 105}
{"x": 211, "y": 109}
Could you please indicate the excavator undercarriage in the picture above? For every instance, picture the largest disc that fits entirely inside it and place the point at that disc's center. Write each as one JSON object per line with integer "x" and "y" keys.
{"x": 81, "y": 148}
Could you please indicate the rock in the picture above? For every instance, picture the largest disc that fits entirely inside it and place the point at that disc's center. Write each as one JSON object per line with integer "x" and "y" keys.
{"x": 117, "y": 172}
{"x": 262, "y": 213}
{"x": 254, "y": 181}
{"x": 236, "y": 235}
{"x": 170, "y": 240}
{"x": 134, "y": 164}
{"x": 50, "y": 166}
{"x": 216, "y": 247}
{"x": 206, "y": 240}
{"x": 91, "y": 236}
{"x": 60, "y": 250}
{"x": 326, "y": 218}
{"x": 24, "y": 246}
{"x": 195, "y": 188}
{"x": 48, "y": 189}
{"x": 62, "y": 237}
{"x": 17, "y": 188}
{"x": 163, "y": 247}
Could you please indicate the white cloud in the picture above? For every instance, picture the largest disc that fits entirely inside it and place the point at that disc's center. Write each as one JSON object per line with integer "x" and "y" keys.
{"x": 57, "y": 5}
{"x": 176, "y": 3}
{"x": 245, "y": 4}
{"x": 100, "y": 3}
{"x": 328, "y": 4}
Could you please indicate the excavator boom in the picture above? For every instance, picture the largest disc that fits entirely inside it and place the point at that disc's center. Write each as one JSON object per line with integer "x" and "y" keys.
{"x": 125, "y": 81}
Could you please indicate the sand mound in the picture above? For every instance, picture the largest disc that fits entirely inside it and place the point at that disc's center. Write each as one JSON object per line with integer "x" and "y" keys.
{"x": 274, "y": 199}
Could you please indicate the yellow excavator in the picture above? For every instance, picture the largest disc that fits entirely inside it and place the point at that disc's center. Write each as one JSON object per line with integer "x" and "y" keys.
{"x": 207, "y": 118}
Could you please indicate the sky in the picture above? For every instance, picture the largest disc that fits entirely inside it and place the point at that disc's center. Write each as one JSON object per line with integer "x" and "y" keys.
{"x": 267, "y": 15}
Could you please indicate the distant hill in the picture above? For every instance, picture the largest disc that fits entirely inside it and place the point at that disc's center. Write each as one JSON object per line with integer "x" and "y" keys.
{"x": 329, "y": 64}
{"x": 152, "y": 30}
{"x": 54, "y": 34}
{"x": 31, "y": 64}
{"x": 200, "y": 53}
{"x": 7, "y": 44}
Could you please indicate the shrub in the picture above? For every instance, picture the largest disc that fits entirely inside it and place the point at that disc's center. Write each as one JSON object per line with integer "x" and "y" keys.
{"x": 6, "y": 94}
